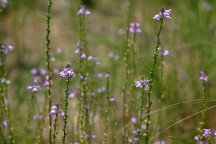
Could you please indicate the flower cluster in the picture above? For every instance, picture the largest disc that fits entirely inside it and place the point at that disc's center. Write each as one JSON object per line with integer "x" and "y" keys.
{"x": 164, "y": 14}
{"x": 203, "y": 76}
{"x": 6, "y": 49}
{"x": 143, "y": 84}
{"x": 83, "y": 11}
{"x": 207, "y": 135}
{"x": 67, "y": 73}
{"x": 34, "y": 88}
{"x": 46, "y": 82}
{"x": 135, "y": 28}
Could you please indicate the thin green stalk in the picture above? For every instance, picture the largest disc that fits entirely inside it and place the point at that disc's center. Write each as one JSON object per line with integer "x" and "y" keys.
{"x": 55, "y": 125}
{"x": 30, "y": 115}
{"x": 65, "y": 110}
{"x": 48, "y": 64}
{"x": 152, "y": 73}
{"x": 106, "y": 134}
{"x": 127, "y": 73}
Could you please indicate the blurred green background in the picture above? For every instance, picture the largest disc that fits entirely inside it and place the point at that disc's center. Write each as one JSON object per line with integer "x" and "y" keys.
{"x": 190, "y": 36}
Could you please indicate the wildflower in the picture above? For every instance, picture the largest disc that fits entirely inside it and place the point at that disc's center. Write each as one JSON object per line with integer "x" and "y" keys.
{"x": 46, "y": 82}
{"x": 112, "y": 99}
{"x": 34, "y": 88}
{"x": 78, "y": 43}
{"x": 203, "y": 76}
{"x": 67, "y": 73}
{"x": 73, "y": 94}
{"x": 135, "y": 28}
{"x": 77, "y": 51}
{"x": 135, "y": 132}
{"x": 164, "y": 52}
{"x": 133, "y": 120}
{"x": 206, "y": 132}
{"x": 83, "y": 56}
{"x": 160, "y": 142}
{"x": 4, "y": 123}
{"x": 53, "y": 110}
{"x": 3, "y": 4}
{"x": 207, "y": 6}
{"x": 164, "y": 14}
{"x": 143, "y": 127}
{"x": 142, "y": 84}
{"x": 7, "y": 49}
{"x": 107, "y": 75}
{"x": 83, "y": 11}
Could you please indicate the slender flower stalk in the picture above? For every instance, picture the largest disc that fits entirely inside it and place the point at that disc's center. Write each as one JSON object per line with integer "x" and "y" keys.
{"x": 55, "y": 124}
{"x": 204, "y": 78}
{"x": 127, "y": 73}
{"x": 161, "y": 16}
{"x": 67, "y": 73}
{"x": 34, "y": 89}
{"x": 48, "y": 65}
{"x": 107, "y": 109}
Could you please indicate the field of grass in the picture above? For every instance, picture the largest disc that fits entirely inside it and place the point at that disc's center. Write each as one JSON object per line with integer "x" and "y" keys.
{"x": 107, "y": 71}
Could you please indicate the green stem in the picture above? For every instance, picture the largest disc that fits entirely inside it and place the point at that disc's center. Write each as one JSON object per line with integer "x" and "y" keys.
{"x": 152, "y": 73}
{"x": 65, "y": 110}
{"x": 48, "y": 64}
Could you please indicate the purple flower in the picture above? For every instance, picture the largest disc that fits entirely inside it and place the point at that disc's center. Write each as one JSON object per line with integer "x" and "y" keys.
{"x": 7, "y": 49}
{"x": 67, "y": 73}
{"x": 46, "y": 82}
{"x": 112, "y": 99}
{"x": 164, "y": 52}
{"x": 78, "y": 43}
{"x": 34, "y": 88}
{"x": 135, "y": 132}
{"x": 73, "y": 94}
{"x": 77, "y": 51}
{"x": 143, "y": 127}
{"x": 206, "y": 132}
{"x": 160, "y": 142}
{"x": 83, "y": 11}
{"x": 107, "y": 75}
{"x": 83, "y": 56}
{"x": 142, "y": 84}
{"x": 164, "y": 14}
{"x": 53, "y": 110}
{"x": 4, "y": 123}
{"x": 207, "y": 6}
{"x": 135, "y": 28}
{"x": 203, "y": 76}
{"x": 133, "y": 120}
{"x": 3, "y": 4}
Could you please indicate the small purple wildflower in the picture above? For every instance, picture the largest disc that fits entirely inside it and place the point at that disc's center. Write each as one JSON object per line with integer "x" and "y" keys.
{"x": 164, "y": 14}
{"x": 83, "y": 56}
{"x": 207, "y": 6}
{"x": 206, "y": 132}
{"x": 77, "y": 51}
{"x": 78, "y": 43}
{"x": 4, "y": 123}
{"x": 133, "y": 120}
{"x": 164, "y": 52}
{"x": 4, "y": 3}
{"x": 83, "y": 11}
{"x": 73, "y": 94}
{"x": 7, "y": 49}
{"x": 46, "y": 82}
{"x": 53, "y": 110}
{"x": 142, "y": 84}
{"x": 34, "y": 88}
{"x": 67, "y": 73}
{"x": 136, "y": 132}
{"x": 135, "y": 28}
{"x": 203, "y": 76}
{"x": 112, "y": 99}
{"x": 107, "y": 75}
{"x": 160, "y": 142}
